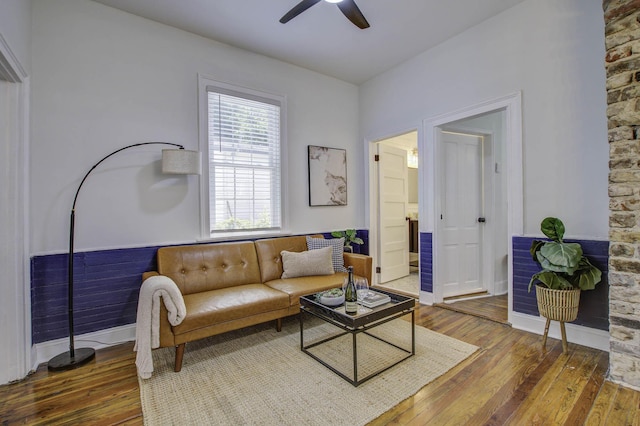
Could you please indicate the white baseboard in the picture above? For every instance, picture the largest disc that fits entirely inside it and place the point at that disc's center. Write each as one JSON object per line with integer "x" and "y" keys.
{"x": 501, "y": 287}
{"x": 593, "y": 338}
{"x": 43, "y": 352}
{"x": 585, "y": 336}
{"x": 426, "y": 298}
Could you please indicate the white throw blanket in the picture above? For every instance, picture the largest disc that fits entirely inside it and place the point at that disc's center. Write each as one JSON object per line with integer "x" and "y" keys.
{"x": 148, "y": 318}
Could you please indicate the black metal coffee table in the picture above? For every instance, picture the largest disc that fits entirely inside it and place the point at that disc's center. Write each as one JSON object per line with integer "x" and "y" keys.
{"x": 365, "y": 320}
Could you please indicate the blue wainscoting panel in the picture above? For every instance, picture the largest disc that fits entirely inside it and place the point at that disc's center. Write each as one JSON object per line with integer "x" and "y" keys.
{"x": 594, "y": 304}
{"x": 357, "y": 248}
{"x": 426, "y": 262}
{"x": 106, "y": 287}
{"x": 363, "y": 248}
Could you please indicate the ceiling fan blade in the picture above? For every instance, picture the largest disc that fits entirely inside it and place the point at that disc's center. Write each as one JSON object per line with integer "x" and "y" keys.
{"x": 297, "y": 10}
{"x": 353, "y": 13}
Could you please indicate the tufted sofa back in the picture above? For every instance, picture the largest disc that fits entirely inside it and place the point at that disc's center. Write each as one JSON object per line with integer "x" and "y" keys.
{"x": 204, "y": 267}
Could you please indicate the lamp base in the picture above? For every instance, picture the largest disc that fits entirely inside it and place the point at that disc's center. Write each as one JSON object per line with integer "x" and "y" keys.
{"x": 64, "y": 361}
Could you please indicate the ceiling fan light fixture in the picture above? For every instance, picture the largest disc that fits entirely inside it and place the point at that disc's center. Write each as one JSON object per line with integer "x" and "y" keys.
{"x": 349, "y": 8}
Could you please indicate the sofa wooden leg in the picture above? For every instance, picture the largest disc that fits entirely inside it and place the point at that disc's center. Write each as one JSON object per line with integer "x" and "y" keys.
{"x": 179, "y": 355}
{"x": 279, "y": 325}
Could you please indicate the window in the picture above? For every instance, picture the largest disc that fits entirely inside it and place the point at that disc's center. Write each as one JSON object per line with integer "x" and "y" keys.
{"x": 244, "y": 145}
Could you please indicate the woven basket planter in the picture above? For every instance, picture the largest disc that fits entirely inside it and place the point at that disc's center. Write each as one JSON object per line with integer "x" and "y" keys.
{"x": 558, "y": 305}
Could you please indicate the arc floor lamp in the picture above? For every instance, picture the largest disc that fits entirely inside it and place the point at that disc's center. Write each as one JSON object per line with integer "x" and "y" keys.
{"x": 174, "y": 161}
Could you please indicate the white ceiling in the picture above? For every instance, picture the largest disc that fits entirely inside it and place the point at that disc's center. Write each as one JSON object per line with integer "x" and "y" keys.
{"x": 321, "y": 38}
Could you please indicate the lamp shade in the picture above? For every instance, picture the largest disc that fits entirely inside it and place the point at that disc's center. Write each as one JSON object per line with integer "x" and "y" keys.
{"x": 180, "y": 162}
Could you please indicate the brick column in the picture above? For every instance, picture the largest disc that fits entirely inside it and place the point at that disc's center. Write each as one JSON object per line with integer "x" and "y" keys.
{"x": 622, "y": 38}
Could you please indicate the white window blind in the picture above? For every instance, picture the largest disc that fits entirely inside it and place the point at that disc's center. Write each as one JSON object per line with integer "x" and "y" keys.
{"x": 244, "y": 161}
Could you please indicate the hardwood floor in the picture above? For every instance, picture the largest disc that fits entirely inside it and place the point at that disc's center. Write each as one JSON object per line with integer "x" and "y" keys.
{"x": 508, "y": 381}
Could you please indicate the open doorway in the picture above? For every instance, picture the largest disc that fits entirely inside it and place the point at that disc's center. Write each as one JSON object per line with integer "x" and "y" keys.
{"x": 396, "y": 191}
{"x": 471, "y": 228}
{"x": 504, "y": 138}
{"x": 498, "y": 210}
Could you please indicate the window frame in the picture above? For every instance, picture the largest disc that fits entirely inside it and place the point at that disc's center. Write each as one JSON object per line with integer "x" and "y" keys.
{"x": 204, "y": 83}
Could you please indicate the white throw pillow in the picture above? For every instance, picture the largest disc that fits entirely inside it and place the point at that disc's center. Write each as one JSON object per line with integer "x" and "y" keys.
{"x": 306, "y": 263}
{"x": 338, "y": 250}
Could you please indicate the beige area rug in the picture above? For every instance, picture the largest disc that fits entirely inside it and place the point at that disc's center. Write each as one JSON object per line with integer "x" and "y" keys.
{"x": 257, "y": 376}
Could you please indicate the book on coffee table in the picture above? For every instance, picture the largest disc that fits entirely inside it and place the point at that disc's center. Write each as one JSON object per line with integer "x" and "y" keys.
{"x": 374, "y": 299}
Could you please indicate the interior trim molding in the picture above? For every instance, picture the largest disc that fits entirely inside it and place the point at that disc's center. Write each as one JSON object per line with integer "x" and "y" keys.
{"x": 11, "y": 69}
{"x": 426, "y": 298}
{"x": 512, "y": 105}
{"x": 585, "y": 336}
{"x": 15, "y": 303}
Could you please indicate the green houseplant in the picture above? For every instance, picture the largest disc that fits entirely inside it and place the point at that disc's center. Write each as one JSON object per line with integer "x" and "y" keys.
{"x": 565, "y": 273}
{"x": 564, "y": 266}
{"x": 350, "y": 237}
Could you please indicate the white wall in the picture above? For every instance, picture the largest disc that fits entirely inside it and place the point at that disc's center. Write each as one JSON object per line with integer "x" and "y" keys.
{"x": 552, "y": 51}
{"x": 103, "y": 79}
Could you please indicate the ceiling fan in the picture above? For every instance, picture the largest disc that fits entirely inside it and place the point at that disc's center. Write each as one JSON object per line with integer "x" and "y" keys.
{"x": 347, "y": 7}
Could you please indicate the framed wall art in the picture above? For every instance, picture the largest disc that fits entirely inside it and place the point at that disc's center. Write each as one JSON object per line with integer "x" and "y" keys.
{"x": 327, "y": 176}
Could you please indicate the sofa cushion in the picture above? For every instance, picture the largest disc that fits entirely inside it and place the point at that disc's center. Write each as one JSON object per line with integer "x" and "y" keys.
{"x": 306, "y": 263}
{"x": 301, "y": 286}
{"x": 229, "y": 304}
{"x": 338, "y": 249}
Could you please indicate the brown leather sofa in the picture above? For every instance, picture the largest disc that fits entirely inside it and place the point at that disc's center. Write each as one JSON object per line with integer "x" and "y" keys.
{"x": 227, "y": 286}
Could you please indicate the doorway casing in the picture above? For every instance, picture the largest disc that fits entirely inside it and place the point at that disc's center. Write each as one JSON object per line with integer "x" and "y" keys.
{"x": 511, "y": 105}
{"x": 17, "y": 353}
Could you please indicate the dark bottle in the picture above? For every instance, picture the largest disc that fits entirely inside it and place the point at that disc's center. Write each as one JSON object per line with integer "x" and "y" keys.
{"x": 351, "y": 295}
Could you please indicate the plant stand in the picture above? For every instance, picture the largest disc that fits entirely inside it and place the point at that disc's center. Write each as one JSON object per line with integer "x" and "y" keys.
{"x": 557, "y": 305}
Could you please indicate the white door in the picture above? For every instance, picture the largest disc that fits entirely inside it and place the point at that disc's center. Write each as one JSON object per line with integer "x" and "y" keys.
{"x": 393, "y": 226}
{"x": 461, "y": 216}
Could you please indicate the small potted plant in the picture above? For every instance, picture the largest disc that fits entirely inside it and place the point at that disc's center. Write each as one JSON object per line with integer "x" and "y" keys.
{"x": 565, "y": 273}
{"x": 332, "y": 297}
{"x": 350, "y": 237}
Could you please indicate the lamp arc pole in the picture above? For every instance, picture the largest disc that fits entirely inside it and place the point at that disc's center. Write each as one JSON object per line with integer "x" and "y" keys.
{"x": 76, "y": 357}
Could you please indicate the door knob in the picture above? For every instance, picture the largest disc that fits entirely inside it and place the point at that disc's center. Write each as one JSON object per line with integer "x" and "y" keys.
{"x": 482, "y": 220}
